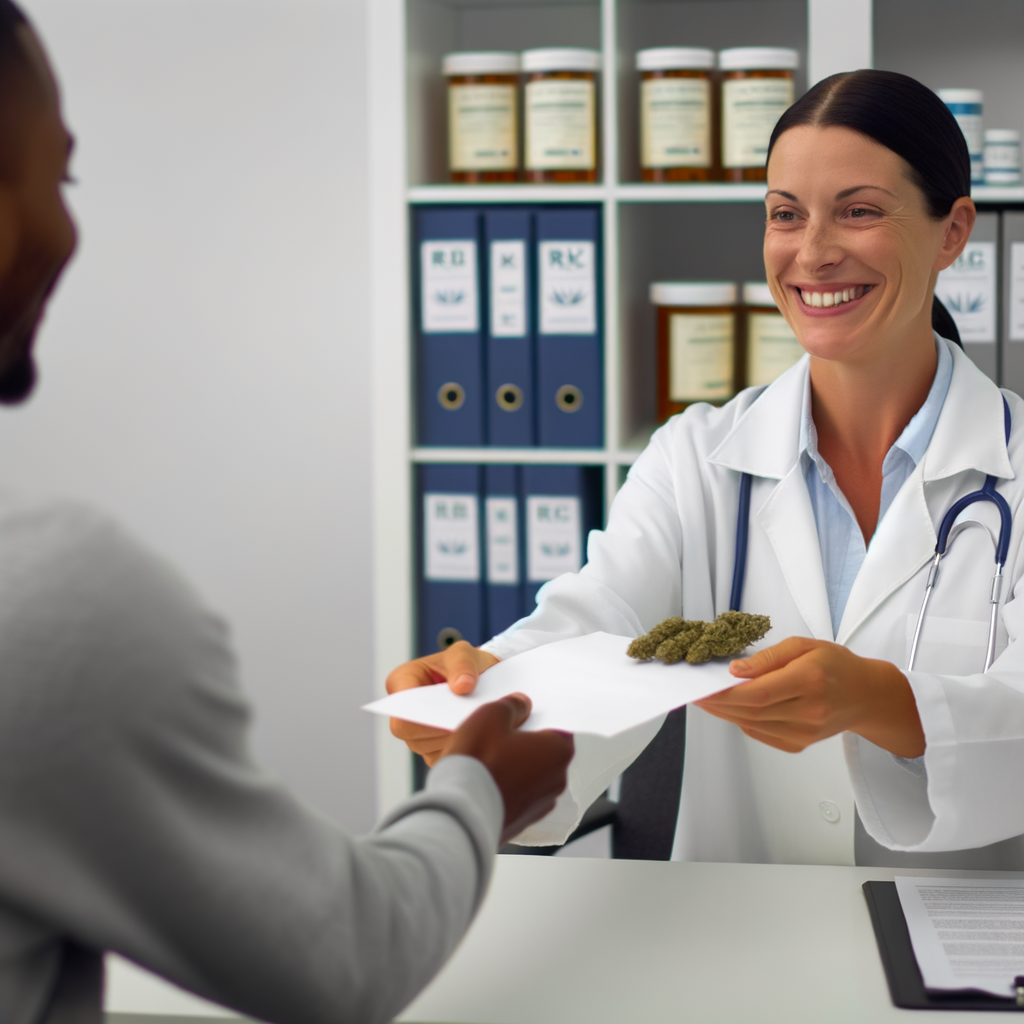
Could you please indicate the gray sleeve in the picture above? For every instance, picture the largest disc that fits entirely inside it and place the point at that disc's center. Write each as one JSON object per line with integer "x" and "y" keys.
{"x": 134, "y": 820}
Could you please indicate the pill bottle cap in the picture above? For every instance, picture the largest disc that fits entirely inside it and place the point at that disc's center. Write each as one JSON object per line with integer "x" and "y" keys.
{"x": 757, "y": 293}
{"x": 693, "y": 293}
{"x": 491, "y": 62}
{"x": 1001, "y": 136}
{"x": 960, "y": 95}
{"x": 669, "y": 58}
{"x": 550, "y": 58}
{"x": 758, "y": 58}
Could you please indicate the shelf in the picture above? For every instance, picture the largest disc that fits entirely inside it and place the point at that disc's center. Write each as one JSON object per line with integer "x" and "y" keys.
{"x": 697, "y": 192}
{"x": 561, "y": 456}
{"x": 998, "y": 193}
{"x": 507, "y": 193}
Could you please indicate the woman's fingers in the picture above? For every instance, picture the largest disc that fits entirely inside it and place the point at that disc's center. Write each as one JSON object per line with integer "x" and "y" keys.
{"x": 772, "y": 658}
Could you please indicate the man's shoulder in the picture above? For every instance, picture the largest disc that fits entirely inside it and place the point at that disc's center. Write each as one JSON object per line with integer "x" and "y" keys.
{"x": 89, "y": 613}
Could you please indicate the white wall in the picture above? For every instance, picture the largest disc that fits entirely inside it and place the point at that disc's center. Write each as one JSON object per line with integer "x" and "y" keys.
{"x": 205, "y": 373}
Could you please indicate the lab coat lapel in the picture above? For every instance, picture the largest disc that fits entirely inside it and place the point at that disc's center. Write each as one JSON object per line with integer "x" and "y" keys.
{"x": 903, "y": 542}
{"x": 765, "y": 442}
{"x": 788, "y": 520}
{"x": 968, "y": 436}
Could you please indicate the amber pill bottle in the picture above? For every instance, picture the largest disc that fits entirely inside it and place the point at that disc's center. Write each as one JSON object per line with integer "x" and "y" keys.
{"x": 770, "y": 346}
{"x": 483, "y": 121}
{"x": 757, "y": 87}
{"x": 698, "y": 358}
{"x": 677, "y": 123}
{"x": 560, "y": 114}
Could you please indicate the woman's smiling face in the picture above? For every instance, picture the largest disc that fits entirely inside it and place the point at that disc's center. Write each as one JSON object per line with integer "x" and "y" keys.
{"x": 850, "y": 248}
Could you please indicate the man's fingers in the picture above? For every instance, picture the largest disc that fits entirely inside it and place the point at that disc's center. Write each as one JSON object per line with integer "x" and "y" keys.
{"x": 413, "y": 731}
{"x": 771, "y": 658}
{"x": 521, "y": 707}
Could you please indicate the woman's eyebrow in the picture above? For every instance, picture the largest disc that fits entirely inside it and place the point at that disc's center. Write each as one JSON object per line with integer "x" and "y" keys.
{"x": 785, "y": 195}
{"x": 859, "y": 188}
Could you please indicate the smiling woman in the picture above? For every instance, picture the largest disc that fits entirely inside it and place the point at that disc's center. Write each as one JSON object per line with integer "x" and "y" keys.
{"x": 829, "y": 749}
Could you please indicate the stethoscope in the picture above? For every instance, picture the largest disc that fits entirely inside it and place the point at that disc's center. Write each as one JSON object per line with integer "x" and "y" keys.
{"x": 949, "y": 529}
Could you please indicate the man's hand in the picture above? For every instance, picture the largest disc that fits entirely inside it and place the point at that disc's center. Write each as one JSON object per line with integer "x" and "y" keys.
{"x": 801, "y": 691}
{"x": 529, "y": 767}
{"x": 460, "y": 667}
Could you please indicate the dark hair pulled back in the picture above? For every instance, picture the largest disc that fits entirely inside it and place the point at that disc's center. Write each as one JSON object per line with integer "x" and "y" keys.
{"x": 900, "y": 113}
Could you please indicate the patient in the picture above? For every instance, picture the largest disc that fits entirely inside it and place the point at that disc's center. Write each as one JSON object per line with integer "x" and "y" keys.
{"x": 132, "y": 817}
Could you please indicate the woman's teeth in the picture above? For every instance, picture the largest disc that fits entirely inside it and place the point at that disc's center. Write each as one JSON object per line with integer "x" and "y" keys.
{"x": 826, "y": 299}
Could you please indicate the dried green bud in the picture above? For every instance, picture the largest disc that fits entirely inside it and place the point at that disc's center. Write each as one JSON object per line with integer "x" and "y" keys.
{"x": 727, "y": 636}
{"x": 647, "y": 645}
{"x": 677, "y": 647}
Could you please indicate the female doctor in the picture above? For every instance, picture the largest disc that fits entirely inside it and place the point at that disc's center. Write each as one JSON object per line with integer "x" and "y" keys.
{"x": 828, "y": 749}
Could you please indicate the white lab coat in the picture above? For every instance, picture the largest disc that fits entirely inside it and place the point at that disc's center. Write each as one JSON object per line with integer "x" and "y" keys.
{"x": 668, "y": 550}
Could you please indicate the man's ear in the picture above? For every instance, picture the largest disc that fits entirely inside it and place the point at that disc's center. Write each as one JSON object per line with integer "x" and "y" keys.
{"x": 957, "y": 227}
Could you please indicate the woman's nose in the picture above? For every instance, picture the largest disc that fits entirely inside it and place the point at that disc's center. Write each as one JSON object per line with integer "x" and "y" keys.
{"x": 819, "y": 247}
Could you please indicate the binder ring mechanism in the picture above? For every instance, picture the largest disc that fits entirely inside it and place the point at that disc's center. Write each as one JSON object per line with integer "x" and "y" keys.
{"x": 509, "y": 397}
{"x": 1018, "y": 985}
{"x": 451, "y": 396}
{"x": 569, "y": 398}
{"x": 448, "y": 636}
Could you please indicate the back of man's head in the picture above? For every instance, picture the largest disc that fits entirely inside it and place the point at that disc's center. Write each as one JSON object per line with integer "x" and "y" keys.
{"x": 21, "y": 83}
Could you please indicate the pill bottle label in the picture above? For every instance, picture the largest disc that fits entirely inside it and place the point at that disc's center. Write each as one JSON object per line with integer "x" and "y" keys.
{"x": 969, "y": 117}
{"x": 750, "y": 108}
{"x": 700, "y": 357}
{"x": 482, "y": 127}
{"x": 560, "y": 125}
{"x": 675, "y": 122}
{"x": 772, "y": 348}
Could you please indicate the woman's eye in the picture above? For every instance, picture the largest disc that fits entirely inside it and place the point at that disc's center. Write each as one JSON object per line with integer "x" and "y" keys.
{"x": 861, "y": 213}
{"x": 783, "y": 215}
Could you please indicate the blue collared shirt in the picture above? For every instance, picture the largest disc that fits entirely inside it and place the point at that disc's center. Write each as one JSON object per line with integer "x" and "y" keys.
{"x": 839, "y": 537}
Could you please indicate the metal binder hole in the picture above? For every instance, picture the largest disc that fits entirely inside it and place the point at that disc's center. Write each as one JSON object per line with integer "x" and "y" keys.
{"x": 451, "y": 396}
{"x": 448, "y": 636}
{"x": 569, "y": 398}
{"x": 509, "y": 397}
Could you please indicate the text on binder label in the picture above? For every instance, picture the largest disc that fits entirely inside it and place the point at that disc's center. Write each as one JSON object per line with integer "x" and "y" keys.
{"x": 508, "y": 289}
{"x": 1017, "y": 291}
{"x": 451, "y": 537}
{"x": 450, "y": 303}
{"x": 568, "y": 288}
{"x": 502, "y": 541}
{"x": 554, "y": 544}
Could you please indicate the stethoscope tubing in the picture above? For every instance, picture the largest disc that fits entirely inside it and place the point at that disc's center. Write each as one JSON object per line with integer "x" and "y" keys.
{"x": 947, "y": 532}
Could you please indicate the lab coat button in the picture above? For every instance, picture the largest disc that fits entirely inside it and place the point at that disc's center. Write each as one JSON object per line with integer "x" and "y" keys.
{"x": 829, "y": 810}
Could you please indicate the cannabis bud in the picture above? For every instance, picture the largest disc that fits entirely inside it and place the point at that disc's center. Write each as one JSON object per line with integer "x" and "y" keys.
{"x": 697, "y": 641}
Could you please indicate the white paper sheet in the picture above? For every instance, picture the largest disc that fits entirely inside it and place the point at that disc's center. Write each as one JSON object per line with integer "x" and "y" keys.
{"x": 966, "y": 932}
{"x": 587, "y": 684}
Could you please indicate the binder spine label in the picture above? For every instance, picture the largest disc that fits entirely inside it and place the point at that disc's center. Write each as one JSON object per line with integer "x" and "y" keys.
{"x": 451, "y": 538}
{"x": 554, "y": 540}
{"x": 508, "y": 289}
{"x": 1017, "y": 291}
{"x": 568, "y": 288}
{"x": 502, "y": 545}
{"x": 968, "y": 290}
{"x": 450, "y": 303}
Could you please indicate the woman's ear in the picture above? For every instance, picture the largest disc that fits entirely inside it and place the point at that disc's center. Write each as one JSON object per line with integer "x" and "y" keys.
{"x": 957, "y": 226}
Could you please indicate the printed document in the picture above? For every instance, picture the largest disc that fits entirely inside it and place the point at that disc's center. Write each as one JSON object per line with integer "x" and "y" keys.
{"x": 587, "y": 684}
{"x": 966, "y": 932}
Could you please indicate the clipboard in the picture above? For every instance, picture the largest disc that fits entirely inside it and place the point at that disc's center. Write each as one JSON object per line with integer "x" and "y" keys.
{"x": 901, "y": 971}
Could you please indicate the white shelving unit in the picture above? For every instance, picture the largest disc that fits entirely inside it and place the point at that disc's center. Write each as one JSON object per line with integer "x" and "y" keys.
{"x": 650, "y": 231}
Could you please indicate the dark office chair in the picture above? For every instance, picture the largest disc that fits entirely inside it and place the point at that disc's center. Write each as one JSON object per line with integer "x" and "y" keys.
{"x": 643, "y": 820}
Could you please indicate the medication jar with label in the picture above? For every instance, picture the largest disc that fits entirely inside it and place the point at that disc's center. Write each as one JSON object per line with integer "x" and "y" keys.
{"x": 1002, "y": 156}
{"x": 757, "y": 87}
{"x": 676, "y": 123}
{"x": 771, "y": 347}
{"x": 966, "y": 106}
{"x": 560, "y": 114}
{"x": 697, "y": 352}
{"x": 483, "y": 124}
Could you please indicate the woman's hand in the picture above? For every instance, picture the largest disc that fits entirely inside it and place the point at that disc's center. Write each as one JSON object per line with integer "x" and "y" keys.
{"x": 460, "y": 667}
{"x": 801, "y": 691}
